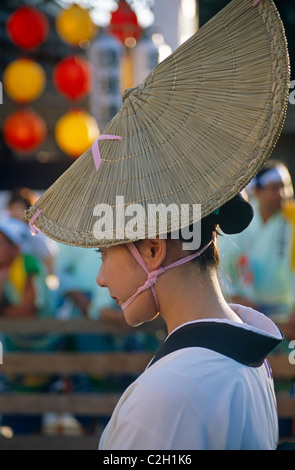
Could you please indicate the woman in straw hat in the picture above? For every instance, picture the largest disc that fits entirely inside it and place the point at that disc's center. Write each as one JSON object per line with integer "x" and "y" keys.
{"x": 188, "y": 139}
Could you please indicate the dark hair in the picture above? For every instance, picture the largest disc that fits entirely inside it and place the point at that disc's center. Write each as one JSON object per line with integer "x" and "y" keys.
{"x": 209, "y": 231}
{"x": 233, "y": 217}
{"x": 209, "y": 227}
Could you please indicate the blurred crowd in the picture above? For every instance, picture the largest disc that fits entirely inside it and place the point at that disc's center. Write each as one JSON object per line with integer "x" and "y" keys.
{"x": 42, "y": 278}
{"x": 257, "y": 266}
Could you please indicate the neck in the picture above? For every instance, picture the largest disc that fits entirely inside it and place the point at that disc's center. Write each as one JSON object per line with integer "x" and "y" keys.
{"x": 192, "y": 295}
{"x": 266, "y": 213}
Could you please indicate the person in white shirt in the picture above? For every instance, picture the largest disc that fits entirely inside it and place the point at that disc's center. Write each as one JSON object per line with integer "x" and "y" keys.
{"x": 216, "y": 391}
{"x": 191, "y": 136}
{"x": 257, "y": 265}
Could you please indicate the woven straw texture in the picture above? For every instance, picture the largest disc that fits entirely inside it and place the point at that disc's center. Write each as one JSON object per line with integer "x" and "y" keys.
{"x": 195, "y": 131}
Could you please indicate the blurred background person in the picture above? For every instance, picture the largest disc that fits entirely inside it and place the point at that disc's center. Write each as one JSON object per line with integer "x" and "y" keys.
{"x": 20, "y": 199}
{"x": 257, "y": 267}
{"x": 24, "y": 294}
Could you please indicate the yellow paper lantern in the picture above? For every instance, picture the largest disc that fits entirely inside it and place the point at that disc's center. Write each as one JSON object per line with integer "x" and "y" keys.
{"x": 24, "y": 80}
{"x": 75, "y": 132}
{"x": 74, "y": 25}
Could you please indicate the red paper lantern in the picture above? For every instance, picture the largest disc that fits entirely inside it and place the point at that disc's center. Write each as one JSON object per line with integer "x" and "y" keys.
{"x": 24, "y": 131}
{"x": 27, "y": 27}
{"x": 124, "y": 23}
{"x": 72, "y": 77}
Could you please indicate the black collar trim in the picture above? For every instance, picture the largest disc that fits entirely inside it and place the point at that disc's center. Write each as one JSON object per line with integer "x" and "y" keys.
{"x": 245, "y": 346}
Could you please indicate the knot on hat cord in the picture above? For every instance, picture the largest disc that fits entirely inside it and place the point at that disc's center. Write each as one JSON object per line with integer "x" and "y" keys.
{"x": 153, "y": 275}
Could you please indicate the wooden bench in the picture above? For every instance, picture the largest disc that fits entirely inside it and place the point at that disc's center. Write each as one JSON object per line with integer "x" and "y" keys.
{"x": 116, "y": 363}
{"x": 65, "y": 363}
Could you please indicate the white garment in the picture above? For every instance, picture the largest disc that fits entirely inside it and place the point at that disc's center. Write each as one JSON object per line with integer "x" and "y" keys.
{"x": 265, "y": 277}
{"x": 196, "y": 398}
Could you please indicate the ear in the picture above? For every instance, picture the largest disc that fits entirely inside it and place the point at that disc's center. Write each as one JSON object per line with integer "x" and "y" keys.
{"x": 153, "y": 252}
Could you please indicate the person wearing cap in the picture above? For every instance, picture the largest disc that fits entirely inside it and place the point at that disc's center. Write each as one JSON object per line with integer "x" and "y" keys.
{"x": 21, "y": 273}
{"x": 257, "y": 266}
{"x": 151, "y": 193}
{"x": 44, "y": 248}
{"x": 23, "y": 294}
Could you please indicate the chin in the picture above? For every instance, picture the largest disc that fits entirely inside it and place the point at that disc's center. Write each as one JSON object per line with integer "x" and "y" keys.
{"x": 136, "y": 317}
{"x": 141, "y": 310}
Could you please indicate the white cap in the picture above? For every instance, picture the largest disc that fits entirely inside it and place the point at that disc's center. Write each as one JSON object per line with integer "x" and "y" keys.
{"x": 17, "y": 232}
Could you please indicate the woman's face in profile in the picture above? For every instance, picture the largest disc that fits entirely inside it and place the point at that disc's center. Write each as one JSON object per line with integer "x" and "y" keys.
{"x": 123, "y": 275}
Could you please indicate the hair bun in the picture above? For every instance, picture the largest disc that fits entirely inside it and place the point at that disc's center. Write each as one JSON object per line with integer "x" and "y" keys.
{"x": 235, "y": 215}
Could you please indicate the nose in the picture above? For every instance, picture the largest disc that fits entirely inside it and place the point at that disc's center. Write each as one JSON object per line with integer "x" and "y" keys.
{"x": 100, "y": 281}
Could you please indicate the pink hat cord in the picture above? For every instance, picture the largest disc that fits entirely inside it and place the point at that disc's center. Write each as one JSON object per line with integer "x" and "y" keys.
{"x": 34, "y": 231}
{"x": 95, "y": 147}
{"x": 151, "y": 280}
{"x": 153, "y": 275}
{"x": 97, "y": 162}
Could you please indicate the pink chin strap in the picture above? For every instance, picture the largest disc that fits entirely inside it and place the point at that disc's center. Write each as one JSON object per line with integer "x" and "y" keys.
{"x": 153, "y": 275}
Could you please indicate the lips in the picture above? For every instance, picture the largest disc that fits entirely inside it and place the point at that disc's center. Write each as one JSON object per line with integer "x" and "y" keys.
{"x": 115, "y": 298}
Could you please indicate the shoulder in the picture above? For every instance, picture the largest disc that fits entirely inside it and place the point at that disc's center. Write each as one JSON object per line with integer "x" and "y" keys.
{"x": 187, "y": 375}
{"x": 194, "y": 370}
{"x": 185, "y": 380}
{"x": 178, "y": 402}
{"x": 154, "y": 411}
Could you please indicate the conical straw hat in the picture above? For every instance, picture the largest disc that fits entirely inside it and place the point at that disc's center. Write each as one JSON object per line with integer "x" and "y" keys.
{"x": 196, "y": 131}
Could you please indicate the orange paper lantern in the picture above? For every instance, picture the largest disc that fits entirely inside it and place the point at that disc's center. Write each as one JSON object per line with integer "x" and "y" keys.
{"x": 75, "y": 132}
{"x": 74, "y": 25}
{"x": 24, "y": 131}
{"x": 24, "y": 80}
